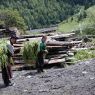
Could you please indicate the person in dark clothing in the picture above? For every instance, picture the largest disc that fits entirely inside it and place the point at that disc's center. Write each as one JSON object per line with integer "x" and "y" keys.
{"x": 6, "y": 70}
{"x": 41, "y": 53}
{"x": 5, "y": 76}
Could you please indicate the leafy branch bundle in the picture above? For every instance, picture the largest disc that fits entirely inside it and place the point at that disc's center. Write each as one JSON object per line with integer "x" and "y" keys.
{"x": 30, "y": 51}
{"x": 3, "y": 52}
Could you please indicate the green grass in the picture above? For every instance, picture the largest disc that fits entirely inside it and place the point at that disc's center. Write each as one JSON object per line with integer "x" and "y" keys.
{"x": 73, "y": 23}
{"x": 84, "y": 55}
{"x": 68, "y": 26}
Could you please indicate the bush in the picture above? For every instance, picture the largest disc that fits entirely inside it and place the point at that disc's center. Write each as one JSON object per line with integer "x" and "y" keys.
{"x": 12, "y": 18}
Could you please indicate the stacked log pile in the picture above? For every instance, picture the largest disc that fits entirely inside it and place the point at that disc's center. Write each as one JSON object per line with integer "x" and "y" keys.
{"x": 59, "y": 48}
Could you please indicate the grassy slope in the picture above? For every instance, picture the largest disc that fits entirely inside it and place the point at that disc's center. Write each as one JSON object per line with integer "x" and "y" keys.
{"x": 70, "y": 25}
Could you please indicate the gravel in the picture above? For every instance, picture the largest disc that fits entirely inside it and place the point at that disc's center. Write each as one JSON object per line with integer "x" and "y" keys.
{"x": 77, "y": 79}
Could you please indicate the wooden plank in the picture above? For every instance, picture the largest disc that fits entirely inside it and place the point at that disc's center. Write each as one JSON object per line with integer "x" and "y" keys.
{"x": 22, "y": 40}
{"x": 54, "y": 44}
{"x": 30, "y": 36}
{"x": 18, "y": 45}
{"x": 56, "y": 61}
{"x": 58, "y": 43}
{"x": 50, "y": 47}
{"x": 19, "y": 62}
{"x": 2, "y": 30}
{"x": 57, "y": 52}
{"x": 60, "y": 56}
{"x": 17, "y": 58}
{"x": 17, "y": 55}
{"x": 62, "y": 35}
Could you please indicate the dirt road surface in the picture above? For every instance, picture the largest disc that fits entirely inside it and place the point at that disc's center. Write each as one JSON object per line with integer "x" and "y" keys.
{"x": 78, "y": 79}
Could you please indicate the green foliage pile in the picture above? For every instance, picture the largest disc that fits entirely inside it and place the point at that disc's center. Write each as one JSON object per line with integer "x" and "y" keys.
{"x": 3, "y": 53}
{"x": 30, "y": 51}
{"x": 42, "y": 13}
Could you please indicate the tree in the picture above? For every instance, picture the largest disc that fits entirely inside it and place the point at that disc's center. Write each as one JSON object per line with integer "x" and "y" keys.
{"x": 45, "y": 12}
{"x": 12, "y": 18}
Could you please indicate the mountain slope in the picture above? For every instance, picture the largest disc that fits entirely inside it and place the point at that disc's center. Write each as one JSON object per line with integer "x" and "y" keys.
{"x": 43, "y": 13}
{"x": 80, "y": 21}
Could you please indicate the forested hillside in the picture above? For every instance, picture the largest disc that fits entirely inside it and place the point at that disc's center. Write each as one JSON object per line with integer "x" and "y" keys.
{"x": 43, "y": 13}
{"x": 83, "y": 21}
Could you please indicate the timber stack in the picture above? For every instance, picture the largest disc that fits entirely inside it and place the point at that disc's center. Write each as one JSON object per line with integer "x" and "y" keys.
{"x": 59, "y": 47}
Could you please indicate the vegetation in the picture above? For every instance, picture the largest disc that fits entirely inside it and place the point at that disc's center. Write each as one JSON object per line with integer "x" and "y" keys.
{"x": 84, "y": 55}
{"x": 84, "y": 21}
{"x": 3, "y": 53}
{"x": 11, "y": 18}
{"x": 43, "y": 13}
{"x": 30, "y": 51}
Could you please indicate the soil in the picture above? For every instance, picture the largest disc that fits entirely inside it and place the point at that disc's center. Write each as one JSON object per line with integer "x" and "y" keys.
{"x": 77, "y": 79}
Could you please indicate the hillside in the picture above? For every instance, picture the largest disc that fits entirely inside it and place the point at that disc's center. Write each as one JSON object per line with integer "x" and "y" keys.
{"x": 82, "y": 21}
{"x": 43, "y": 13}
{"x": 75, "y": 80}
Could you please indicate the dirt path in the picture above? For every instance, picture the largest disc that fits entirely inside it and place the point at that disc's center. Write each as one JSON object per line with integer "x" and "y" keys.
{"x": 74, "y": 80}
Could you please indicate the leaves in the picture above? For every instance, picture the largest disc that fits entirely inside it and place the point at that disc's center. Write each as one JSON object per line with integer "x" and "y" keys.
{"x": 30, "y": 51}
{"x": 12, "y": 18}
{"x": 42, "y": 13}
{"x": 3, "y": 52}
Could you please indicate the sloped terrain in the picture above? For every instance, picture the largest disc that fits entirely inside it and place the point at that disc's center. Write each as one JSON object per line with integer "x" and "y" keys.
{"x": 80, "y": 21}
{"x": 78, "y": 79}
